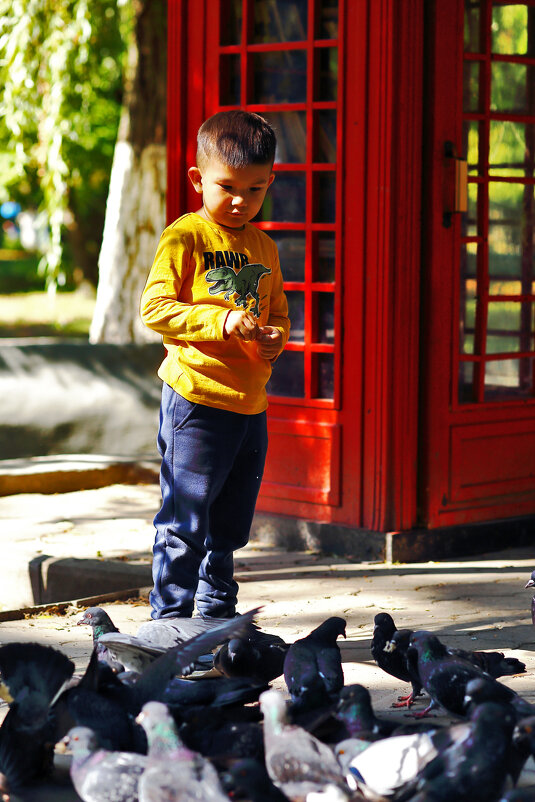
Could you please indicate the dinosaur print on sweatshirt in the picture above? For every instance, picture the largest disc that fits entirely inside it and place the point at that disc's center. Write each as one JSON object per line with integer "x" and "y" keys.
{"x": 244, "y": 283}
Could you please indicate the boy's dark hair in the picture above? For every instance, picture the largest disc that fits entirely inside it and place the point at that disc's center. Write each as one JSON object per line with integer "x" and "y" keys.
{"x": 238, "y": 138}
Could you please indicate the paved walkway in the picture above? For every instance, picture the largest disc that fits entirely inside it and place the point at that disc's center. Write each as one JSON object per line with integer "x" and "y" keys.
{"x": 473, "y": 603}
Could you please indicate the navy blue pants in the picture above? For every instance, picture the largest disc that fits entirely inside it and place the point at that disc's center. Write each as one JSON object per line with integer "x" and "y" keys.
{"x": 212, "y": 466}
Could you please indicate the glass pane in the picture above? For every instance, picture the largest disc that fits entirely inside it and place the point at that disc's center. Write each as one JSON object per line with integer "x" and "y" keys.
{"x": 466, "y": 378}
{"x": 509, "y": 29}
{"x": 323, "y": 368}
{"x": 471, "y": 84}
{"x": 468, "y": 297}
{"x": 288, "y": 377}
{"x": 511, "y": 148}
{"x": 471, "y": 146}
{"x": 469, "y": 218}
{"x": 326, "y": 84}
{"x": 508, "y": 378}
{"x": 230, "y": 22}
{"x": 279, "y": 77}
{"x": 325, "y": 197}
{"x": 327, "y": 19}
{"x": 291, "y": 130}
{"x": 472, "y": 26}
{"x": 325, "y": 317}
{"x": 512, "y": 87}
{"x": 229, "y": 80}
{"x": 325, "y": 136}
{"x": 324, "y": 251}
{"x": 509, "y": 327}
{"x": 296, "y": 313}
{"x": 280, "y": 21}
{"x": 285, "y": 201}
{"x": 511, "y": 229}
{"x": 291, "y": 247}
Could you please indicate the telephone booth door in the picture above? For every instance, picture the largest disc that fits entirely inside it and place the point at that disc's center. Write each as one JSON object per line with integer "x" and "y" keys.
{"x": 478, "y": 434}
{"x": 284, "y": 60}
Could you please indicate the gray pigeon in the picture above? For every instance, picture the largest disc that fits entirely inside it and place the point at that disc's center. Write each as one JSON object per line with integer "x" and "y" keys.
{"x": 174, "y": 773}
{"x": 101, "y": 624}
{"x": 99, "y": 775}
{"x": 297, "y": 762}
{"x": 132, "y": 652}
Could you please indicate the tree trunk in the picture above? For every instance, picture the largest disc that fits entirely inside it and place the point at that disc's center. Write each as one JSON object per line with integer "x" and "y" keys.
{"x": 135, "y": 209}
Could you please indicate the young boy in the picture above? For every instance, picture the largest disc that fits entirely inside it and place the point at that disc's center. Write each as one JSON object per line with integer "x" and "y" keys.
{"x": 215, "y": 295}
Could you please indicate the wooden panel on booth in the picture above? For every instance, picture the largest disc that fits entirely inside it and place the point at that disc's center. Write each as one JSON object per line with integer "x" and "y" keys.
{"x": 304, "y": 461}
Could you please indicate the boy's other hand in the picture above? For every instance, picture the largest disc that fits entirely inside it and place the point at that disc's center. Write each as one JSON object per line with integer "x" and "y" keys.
{"x": 269, "y": 341}
{"x": 242, "y": 325}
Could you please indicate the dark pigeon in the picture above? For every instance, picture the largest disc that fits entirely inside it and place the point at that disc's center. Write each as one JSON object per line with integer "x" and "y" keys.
{"x": 101, "y": 624}
{"x": 313, "y": 666}
{"x": 297, "y": 762}
{"x": 531, "y": 584}
{"x": 355, "y": 712}
{"x": 473, "y": 768}
{"x": 222, "y": 692}
{"x": 487, "y": 689}
{"x": 31, "y": 677}
{"x": 443, "y": 675}
{"x": 400, "y": 663}
{"x": 248, "y": 779}
{"x": 259, "y": 657}
{"x": 99, "y": 775}
{"x": 222, "y": 735}
{"x": 104, "y": 709}
{"x": 389, "y": 650}
{"x": 174, "y": 772}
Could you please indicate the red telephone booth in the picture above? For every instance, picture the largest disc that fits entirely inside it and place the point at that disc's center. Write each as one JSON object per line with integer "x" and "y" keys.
{"x": 404, "y": 401}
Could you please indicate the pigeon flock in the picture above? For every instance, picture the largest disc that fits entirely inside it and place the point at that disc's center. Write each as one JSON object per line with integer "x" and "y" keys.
{"x": 198, "y": 720}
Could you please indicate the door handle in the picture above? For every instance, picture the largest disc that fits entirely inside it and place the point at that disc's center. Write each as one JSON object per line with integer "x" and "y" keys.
{"x": 455, "y": 184}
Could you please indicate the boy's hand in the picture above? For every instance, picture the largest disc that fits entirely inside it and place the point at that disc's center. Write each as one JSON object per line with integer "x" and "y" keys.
{"x": 269, "y": 341}
{"x": 242, "y": 325}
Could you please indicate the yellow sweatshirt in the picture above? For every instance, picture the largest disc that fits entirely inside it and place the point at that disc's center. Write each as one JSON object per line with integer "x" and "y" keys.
{"x": 202, "y": 271}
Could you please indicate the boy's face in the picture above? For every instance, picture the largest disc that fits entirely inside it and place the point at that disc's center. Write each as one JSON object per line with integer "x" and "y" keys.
{"x": 231, "y": 195}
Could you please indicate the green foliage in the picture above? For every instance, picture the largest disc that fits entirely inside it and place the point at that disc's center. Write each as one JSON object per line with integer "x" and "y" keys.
{"x": 61, "y": 68}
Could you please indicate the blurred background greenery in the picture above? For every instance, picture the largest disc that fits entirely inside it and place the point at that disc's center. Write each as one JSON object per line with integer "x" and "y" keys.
{"x": 62, "y": 73}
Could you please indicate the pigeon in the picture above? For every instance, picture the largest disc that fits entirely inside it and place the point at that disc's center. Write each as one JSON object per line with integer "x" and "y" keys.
{"x": 87, "y": 704}
{"x": 531, "y": 584}
{"x": 389, "y": 650}
{"x": 354, "y": 710}
{"x": 153, "y": 683}
{"x": 474, "y": 767}
{"x": 259, "y": 657}
{"x": 220, "y": 692}
{"x": 297, "y": 762}
{"x": 101, "y": 624}
{"x": 380, "y": 768}
{"x": 313, "y": 666}
{"x": 443, "y": 674}
{"x": 99, "y": 775}
{"x": 32, "y": 676}
{"x": 397, "y": 661}
{"x": 174, "y": 772}
{"x": 221, "y": 736}
{"x": 129, "y": 651}
{"x": 487, "y": 689}
{"x": 248, "y": 779}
